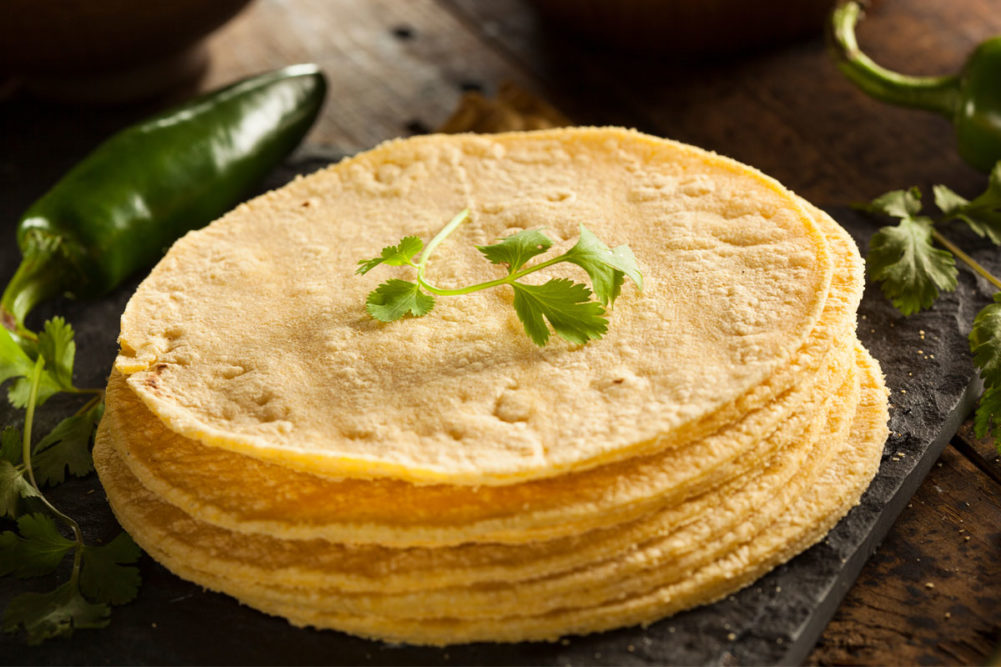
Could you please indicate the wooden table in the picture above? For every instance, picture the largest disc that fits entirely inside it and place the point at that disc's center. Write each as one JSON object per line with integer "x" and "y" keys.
{"x": 931, "y": 593}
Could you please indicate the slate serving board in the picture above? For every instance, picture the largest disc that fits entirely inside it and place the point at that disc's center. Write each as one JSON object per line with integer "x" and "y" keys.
{"x": 776, "y": 620}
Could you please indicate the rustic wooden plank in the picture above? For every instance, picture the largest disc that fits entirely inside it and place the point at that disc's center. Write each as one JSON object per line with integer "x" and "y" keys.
{"x": 786, "y": 110}
{"x": 982, "y": 452}
{"x": 926, "y": 596}
{"x": 395, "y": 68}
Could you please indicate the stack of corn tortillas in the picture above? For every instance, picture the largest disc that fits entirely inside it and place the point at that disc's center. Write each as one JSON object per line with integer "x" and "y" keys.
{"x": 442, "y": 479}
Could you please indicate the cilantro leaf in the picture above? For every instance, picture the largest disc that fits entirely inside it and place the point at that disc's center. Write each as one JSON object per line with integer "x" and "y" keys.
{"x": 910, "y": 270}
{"x": 394, "y": 255}
{"x": 395, "y": 298}
{"x": 105, "y": 577}
{"x": 987, "y": 418}
{"x": 897, "y": 203}
{"x": 606, "y": 267}
{"x": 982, "y": 214}
{"x": 14, "y": 362}
{"x": 516, "y": 249}
{"x": 948, "y": 201}
{"x": 13, "y": 487}
{"x": 567, "y": 307}
{"x": 54, "y": 614}
{"x": 985, "y": 342}
{"x": 55, "y": 343}
{"x": 10, "y": 445}
{"x": 20, "y": 390}
{"x": 36, "y": 551}
{"x": 67, "y": 447}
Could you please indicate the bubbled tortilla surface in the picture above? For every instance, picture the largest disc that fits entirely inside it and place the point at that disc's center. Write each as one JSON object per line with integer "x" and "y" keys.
{"x": 251, "y": 334}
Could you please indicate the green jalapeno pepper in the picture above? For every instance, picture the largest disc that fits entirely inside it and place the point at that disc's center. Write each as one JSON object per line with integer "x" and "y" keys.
{"x": 120, "y": 208}
{"x": 971, "y": 99}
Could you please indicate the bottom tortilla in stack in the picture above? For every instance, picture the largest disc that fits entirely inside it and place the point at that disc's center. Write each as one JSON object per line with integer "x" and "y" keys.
{"x": 736, "y": 483}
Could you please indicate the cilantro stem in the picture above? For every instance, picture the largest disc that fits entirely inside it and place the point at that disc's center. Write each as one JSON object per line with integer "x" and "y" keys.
{"x": 94, "y": 400}
{"x": 97, "y": 392}
{"x": 421, "y": 264}
{"x": 506, "y": 280}
{"x": 972, "y": 263}
{"x": 29, "y": 419}
{"x": 460, "y": 217}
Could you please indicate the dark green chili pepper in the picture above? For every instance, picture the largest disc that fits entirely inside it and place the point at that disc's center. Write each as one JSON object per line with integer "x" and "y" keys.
{"x": 120, "y": 208}
{"x": 970, "y": 99}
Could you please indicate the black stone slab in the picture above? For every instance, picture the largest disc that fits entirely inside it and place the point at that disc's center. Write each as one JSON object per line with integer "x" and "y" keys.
{"x": 776, "y": 620}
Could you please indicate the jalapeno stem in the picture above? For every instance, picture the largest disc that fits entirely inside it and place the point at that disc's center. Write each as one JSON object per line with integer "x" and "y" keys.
{"x": 41, "y": 275}
{"x": 939, "y": 94}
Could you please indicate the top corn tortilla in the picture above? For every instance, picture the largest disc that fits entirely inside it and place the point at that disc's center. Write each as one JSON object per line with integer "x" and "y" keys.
{"x": 251, "y": 335}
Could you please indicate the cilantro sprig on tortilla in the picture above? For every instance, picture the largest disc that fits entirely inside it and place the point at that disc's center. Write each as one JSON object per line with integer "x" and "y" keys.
{"x": 564, "y": 304}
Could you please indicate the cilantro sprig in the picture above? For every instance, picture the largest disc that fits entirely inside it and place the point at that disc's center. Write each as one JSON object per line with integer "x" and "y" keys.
{"x": 38, "y": 367}
{"x": 912, "y": 271}
{"x": 560, "y": 303}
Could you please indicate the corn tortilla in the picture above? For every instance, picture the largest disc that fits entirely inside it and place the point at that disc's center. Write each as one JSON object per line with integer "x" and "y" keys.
{"x": 736, "y": 276}
{"x": 225, "y": 488}
{"x": 293, "y": 505}
{"x": 615, "y": 566}
{"x": 367, "y": 568}
{"x": 838, "y": 487}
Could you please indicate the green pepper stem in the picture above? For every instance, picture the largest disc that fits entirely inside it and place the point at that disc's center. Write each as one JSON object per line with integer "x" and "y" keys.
{"x": 41, "y": 275}
{"x": 939, "y": 94}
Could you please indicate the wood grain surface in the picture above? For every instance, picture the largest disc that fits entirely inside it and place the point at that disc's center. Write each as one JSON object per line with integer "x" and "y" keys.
{"x": 931, "y": 593}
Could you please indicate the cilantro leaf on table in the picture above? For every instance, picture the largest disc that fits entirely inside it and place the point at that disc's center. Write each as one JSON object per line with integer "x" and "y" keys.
{"x": 897, "y": 203}
{"x": 909, "y": 269}
{"x": 395, "y": 298}
{"x": 16, "y": 365}
{"x": 982, "y": 214}
{"x": 54, "y": 614}
{"x": 902, "y": 258}
{"x": 566, "y": 305}
{"x": 14, "y": 361}
{"x": 37, "y": 550}
{"x": 10, "y": 445}
{"x": 516, "y": 249}
{"x": 20, "y": 390}
{"x": 987, "y": 419}
{"x": 912, "y": 270}
{"x": 394, "y": 255}
{"x": 106, "y": 575}
{"x": 67, "y": 447}
{"x": 56, "y": 344}
{"x": 40, "y": 366}
{"x": 13, "y": 486}
{"x": 985, "y": 344}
